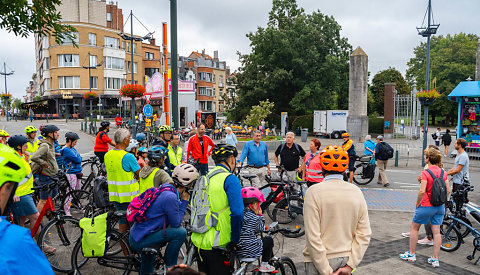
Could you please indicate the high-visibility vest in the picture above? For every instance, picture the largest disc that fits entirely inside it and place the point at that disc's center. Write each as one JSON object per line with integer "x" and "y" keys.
{"x": 147, "y": 182}
{"x": 122, "y": 185}
{"x": 32, "y": 147}
{"x": 313, "y": 172}
{"x": 218, "y": 236}
{"x": 25, "y": 186}
{"x": 175, "y": 158}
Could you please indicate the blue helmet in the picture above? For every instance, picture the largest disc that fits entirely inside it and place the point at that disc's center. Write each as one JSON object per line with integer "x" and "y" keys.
{"x": 156, "y": 153}
{"x": 140, "y": 137}
{"x": 142, "y": 150}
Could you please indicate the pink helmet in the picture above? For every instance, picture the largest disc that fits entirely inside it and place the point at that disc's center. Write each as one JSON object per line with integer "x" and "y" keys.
{"x": 251, "y": 195}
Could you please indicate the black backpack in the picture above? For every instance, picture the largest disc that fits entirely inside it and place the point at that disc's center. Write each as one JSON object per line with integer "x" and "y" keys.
{"x": 387, "y": 151}
{"x": 439, "y": 189}
{"x": 100, "y": 192}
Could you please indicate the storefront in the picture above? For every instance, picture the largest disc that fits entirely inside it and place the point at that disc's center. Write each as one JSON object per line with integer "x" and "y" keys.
{"x": 467, "y": 96}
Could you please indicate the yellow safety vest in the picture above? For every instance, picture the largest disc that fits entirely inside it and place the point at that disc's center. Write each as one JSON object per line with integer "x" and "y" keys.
{"x": 122, "y": 185}
{"x": 147, "y": 182}
{"x": 175, "y": 158}
{"x": 25, "y": 186}
{"x": 32, "y": 147}
{"x": 218, "y": 236}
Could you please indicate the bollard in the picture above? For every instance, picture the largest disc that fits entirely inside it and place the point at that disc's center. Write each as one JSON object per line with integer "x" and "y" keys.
{"x": 47, "y": 118}
{"x": 396, "y": 158}
{"x": 81, "y": 126}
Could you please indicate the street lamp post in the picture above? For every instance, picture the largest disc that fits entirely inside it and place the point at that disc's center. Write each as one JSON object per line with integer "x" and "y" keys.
{"x": 89, "y": 67}
{"x": 174, "y": 53}
{"x": 427, "y": 32}
{"x": 4, "y": 73}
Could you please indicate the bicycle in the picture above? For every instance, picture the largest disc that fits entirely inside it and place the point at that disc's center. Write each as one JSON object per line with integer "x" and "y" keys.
{"x": 456, "y": 207}
{"x": 59, "y": 233}
{"x": 283, "y": 264}
{"x": 363, "y": 172}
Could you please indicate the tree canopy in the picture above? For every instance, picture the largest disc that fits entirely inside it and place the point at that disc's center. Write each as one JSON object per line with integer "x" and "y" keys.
{"x": 452, "y": 60}
{"x": 38, "y": 16}
{"x": 390, "y": 75}
{"x": 299, "y": 62}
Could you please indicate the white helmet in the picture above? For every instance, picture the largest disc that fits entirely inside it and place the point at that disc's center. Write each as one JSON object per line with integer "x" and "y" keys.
{"x": 133, "y": 144}
{"x": 185, "y": 174}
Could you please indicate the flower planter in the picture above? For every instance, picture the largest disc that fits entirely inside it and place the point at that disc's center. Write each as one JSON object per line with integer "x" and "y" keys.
{"x": 426, "y": 101}
{"x": 132, "y": 90}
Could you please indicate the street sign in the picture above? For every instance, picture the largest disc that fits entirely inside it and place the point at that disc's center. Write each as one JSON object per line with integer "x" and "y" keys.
{"x": 147, "y": 98}
{"x": 148, "y": 110}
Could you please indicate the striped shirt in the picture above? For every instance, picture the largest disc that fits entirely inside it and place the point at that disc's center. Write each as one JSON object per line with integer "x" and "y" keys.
{"x": 250, "y": 245}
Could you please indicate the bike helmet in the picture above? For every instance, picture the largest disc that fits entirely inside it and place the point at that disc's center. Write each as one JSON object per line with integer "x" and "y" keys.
{"x": 72, "y": 135}
{"x": 222, "y": 152}
{"x": 185, "y": 174}
{"x": 252, "y": 195}
{"x": 4, "y": 133}
{"x": 133, "y": 144}
{"x": 30, "y": 129}
{"x": 155, "y": 153}
{"x": 142, "y": 150}
{"x": 41, "y": 127}
{"x": 334, "y": 160}
{"x": 49, "y": 129}
{"x": 12, "y": 169}
{"x": 17, "y": 140}
{"x": 164, "y": 128}
{"x": 344, "y": 135}
{"x": 140, "y": 137}
{"x": 104, "y": 124}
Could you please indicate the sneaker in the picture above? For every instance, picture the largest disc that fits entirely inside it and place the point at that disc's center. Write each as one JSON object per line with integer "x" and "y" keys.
{"x": 425, "y": 241}
{"x": 266, "y": 268}
{"x": 386, "y": 184}
{"x": 406, "y": 234}
{"x": 379, "y": 183}
{"x": 433, "y": 262}
{"x": 408, "y": 257}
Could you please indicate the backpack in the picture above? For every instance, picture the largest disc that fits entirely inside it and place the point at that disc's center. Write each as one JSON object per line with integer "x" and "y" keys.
{"x": 434, "y": 136}
{"x": 439, "y": 189}
{"x": 296, "y": 147}
{"x": 202, "y": 218}
{"x": 100, "y": 192}
{"x": 137, "y": 209}
{"x": 387, "y": 151}
{"x": 94, "y": 235}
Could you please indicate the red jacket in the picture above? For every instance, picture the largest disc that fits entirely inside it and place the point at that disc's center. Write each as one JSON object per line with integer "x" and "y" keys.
{"x": 195, "y": 149}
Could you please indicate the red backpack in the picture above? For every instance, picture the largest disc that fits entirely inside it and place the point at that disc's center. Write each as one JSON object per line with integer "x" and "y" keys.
{"x": 137, "y": 209}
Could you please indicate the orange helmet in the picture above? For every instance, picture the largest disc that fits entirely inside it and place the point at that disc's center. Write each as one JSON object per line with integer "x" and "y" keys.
{"x": 344, "y": 135}
{"x": 334, "y": 159}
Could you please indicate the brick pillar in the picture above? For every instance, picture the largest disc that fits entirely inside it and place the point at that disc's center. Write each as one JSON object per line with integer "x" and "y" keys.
{"x": 388, "y": 110}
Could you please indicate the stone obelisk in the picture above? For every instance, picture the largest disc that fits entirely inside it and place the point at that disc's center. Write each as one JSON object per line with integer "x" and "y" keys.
{"x": 357, "y": 121}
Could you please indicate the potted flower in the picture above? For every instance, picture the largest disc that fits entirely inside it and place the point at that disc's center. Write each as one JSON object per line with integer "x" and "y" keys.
{"x": 427, "y": 97}
{"x": 90, "y": 95}
{"x": 132, "y": 90}
{"x": 6, "y": 96}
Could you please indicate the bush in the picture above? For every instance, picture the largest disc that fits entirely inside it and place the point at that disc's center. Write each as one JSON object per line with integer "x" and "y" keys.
{"x": 305, "y": 121}
{"x": 375, "y": 125}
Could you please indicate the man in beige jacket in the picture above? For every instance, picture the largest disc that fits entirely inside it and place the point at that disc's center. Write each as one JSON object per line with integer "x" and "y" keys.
{"x": 336, "y": 220}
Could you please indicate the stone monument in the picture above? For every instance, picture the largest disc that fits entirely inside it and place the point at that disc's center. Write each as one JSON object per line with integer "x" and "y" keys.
{"x": 357, "y": 120}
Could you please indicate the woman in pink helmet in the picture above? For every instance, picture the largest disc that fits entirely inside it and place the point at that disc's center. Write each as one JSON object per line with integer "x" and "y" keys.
{"x": 250, "y": 245}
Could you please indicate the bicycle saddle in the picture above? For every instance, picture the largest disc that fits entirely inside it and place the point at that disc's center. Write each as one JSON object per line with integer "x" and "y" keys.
{"x": 249, "y": 176}
{"x": 248, "y": 260}
{"x": 150, "y": 251}
{"x": 120, "y": 214}
{"x": 476, "y": 215}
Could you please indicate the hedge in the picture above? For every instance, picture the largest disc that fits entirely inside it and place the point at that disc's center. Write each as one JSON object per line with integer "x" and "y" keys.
{"x": 375, "y": 125}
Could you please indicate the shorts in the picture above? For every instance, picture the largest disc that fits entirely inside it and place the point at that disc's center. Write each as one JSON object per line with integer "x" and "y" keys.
{"x": 24, "y": 207}
{"x": 101, "y": 156}
{"x": 432, "y": 214}
{"x": 44, "y": 180}
{"x": 351, "y": 163}
{"x": 121, "y": 207}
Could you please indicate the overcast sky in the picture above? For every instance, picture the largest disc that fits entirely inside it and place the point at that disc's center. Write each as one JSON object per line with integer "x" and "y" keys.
{"x": 384, "y": 29}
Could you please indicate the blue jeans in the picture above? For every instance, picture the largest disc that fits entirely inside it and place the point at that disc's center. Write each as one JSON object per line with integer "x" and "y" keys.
{"x": 175, "y": 237}
{"x": 202, "y": 168}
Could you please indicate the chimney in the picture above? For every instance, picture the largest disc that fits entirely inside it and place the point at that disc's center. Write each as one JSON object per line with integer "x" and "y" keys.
{"x": 152, "y": 41}
{"x": 477, "y": 71}
{"x": 215, "y": 55}
{"x": 203, "y": 53}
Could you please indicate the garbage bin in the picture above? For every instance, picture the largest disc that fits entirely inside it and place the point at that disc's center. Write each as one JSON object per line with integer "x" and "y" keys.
{"x": 304, "y": 134}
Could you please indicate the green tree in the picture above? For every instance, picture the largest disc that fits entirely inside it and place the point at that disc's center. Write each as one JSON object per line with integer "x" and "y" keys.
{"x": 299, "y": 61}
{"x": 259, "y": 113}
{"x": 24, "y": 17}
{"x": 17, "y": 103}
{"x": 452, "y": 60}
{"x": 390, "y": 75}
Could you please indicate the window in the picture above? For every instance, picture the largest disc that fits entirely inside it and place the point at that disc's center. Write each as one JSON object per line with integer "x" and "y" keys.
{"x": 134, "y": 67}
{"x": 94, "y": 82}
{"x": 220, "y": 81}
{"x": 111, "y": 42}
{"x": 93, "y": 61}
{"x": 46, "y": 83}
{"x": 69, "y": 82}
{"x": 134, "y": 47}
{"x": 149, "y": 56}
{"x": 68, "y": 60}
{"x": 92, "y": 39}
{"x": 45, "y": 42}
{"x": 41, "y": 72}
{"x": 123, "y": 44}
{"x": 67, "y": 40}
{"x": 205, "y": 91}
{"x": 46, "y": 63}
{"x": 113, "y": 83}
{"x": 109, "y": 16}
{"x": 114, "y": 63}
{"x": 206, "y": 105}
{"x": 150, "y": 71}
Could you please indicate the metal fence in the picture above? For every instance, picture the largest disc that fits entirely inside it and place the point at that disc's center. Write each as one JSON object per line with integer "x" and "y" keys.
{"x": 407, "y": 114}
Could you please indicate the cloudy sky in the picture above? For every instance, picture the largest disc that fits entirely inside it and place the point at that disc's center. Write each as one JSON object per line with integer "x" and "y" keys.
{"x": 384, "y": 29}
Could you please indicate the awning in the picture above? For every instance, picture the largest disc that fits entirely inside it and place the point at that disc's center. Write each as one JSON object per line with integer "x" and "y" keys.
{"x": 27, "y": 105}
{"x": 465, "y": 89}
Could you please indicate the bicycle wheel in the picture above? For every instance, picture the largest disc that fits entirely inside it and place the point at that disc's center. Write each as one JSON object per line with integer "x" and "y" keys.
{"x": 79, "y": 200}
{"x": 451, "y": 237}
{"x": 464, "y": 231}
{"x": 118, "y": 257}
{"x": 60, "y": 234}
{"x": 358, "y": 177}
{"x": 286, "y": 266}
{"x": 290, "y": 212}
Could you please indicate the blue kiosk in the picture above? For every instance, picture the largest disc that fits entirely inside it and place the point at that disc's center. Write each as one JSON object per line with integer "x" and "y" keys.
{"x": 467, "y": 95}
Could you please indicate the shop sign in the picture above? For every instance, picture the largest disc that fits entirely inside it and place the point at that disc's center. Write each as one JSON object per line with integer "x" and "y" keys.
{"x": 67, "y": 95}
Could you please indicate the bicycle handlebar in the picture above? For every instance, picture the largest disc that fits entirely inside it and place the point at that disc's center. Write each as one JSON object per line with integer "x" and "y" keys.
{"x": 46, "y": 187}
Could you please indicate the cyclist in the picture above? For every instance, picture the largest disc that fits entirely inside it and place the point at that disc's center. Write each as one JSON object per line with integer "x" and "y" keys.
{"x": 23, "y": 207}
{"x": 133, "y": 149}
{"x": 198, "y": 148}
{"x": 102, "y": 141}
{"x": 141, "y": 138}
{"x": 311, "y": 168}
{"x": 175, "y": 152}
{"x": 58, "y": 154}
{"x": 165, "y": 137}
{"x": 349, "y": 147}
{"x": 122, "y": 174}
{"x": 32, "y": 145}
{"x": 164, "y": 220}
{"x": 118, "y": 120}
{"x": 154, "y": 175}
{"x": 73, "y": 165}
{"x": 337, "y": 234}
{"x": 3, "y": 136}
{"x": 225, "y": 196}
{"x": 17, "y": 246}
{"x": 142, "y": 155}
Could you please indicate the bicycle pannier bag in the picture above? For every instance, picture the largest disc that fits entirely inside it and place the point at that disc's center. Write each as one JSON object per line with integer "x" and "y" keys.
{"x": 94, "y": 235}
{"x": 439, "y": 189}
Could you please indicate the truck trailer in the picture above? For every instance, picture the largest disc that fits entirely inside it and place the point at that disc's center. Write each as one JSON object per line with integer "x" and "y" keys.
{"x": 330, "y": 123}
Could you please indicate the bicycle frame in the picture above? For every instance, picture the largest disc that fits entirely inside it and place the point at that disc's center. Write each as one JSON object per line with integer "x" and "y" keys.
{"x": 475, "y": 232}
{"x": 48, "y": 207}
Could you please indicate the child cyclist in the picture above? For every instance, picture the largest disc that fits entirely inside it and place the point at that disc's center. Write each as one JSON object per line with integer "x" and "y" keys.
{"x": 250, "y": 245}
